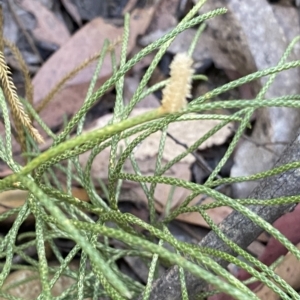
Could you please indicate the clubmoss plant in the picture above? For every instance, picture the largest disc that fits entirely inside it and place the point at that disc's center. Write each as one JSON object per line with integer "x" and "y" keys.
{"x": 58, "y": 214}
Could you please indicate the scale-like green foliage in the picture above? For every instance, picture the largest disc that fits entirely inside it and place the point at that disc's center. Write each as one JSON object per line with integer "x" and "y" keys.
{"x": 60, "y": 215}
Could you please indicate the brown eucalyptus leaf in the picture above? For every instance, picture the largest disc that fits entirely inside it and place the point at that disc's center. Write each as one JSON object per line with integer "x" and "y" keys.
{"x": 48, "y": 27}
{"x": 288, "y": 270}
{"x": 217, "y": 214}
{"x": 31, "y": 287}
{"x": 13, "y": 199}
{"x": 72, "y": 10}
{"x": 16, "y": 198}
{"x": 82, "y": 45}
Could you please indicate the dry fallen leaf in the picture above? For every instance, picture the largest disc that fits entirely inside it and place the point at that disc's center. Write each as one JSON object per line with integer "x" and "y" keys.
{"x": 48, "y": 28}
{"x": 85, "y": 43}
{"x": 16, "y": 198}
{"x": 30, "y": 289}
{"x": 217, "y": 214}
{"x": 72, "y": 10}
{"x": 288, "y": 270}
{"x": 12, "y": 199}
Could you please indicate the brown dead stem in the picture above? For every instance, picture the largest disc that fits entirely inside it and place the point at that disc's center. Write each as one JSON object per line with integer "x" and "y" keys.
{"x": 18, "y": 112}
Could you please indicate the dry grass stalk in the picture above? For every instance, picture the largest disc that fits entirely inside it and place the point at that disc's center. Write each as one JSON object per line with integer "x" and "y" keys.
{"x": 71, "y": 74}
{"x": 24, "y": 69}
{"x": 60, "y": 84}
{"x": 16, "y": 106}
{"x": 19, "y": 133}
{"x": 117, "y": 41}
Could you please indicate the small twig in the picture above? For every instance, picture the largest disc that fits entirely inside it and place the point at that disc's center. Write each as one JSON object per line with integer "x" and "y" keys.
{"x": 23, "y": 67}
{"x": 199, "y": 159}
{"x": 19, "y": 114}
